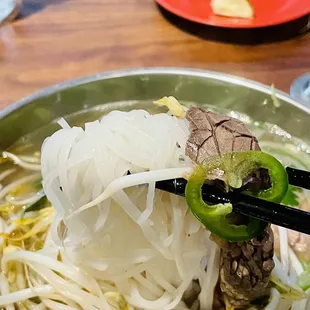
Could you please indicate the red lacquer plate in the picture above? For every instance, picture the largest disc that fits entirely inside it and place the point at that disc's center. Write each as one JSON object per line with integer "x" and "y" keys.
{"x": 267, "y": 12}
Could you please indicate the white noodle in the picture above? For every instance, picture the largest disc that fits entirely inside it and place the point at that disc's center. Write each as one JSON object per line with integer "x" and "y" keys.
{"x": 20, "y": 281}
{"x": 279, "y": 272}
{"x": 30, "y": 159}
{"x": 133, "y": 180}
{"x": 5, "y": 292}
{"x": 177, "y": 240}
{"x": 21, "y": 163}
{"x": 299, "y": 305}
{"x": 53, "y": 305}
{"x": 135, "y": 257}
{"x": 165, "y": 302}
{"x": 148, "y": 231}
{"x": 275, "y": 298}
{"x": 90, "y": 171}
{"x": 153, "y": 288}
{"x": 130, "y": 273}
{"x": 209, "y": 280}
{"x": 25, "y": 256}
{"x": 2, "y": 225}
{"x": 302, "y": 304}
{"x": 40, "y": 306}
{"x": 27, "y": 201}
{"x": 21, "y": 306}
{"x": 71, "y": 137}
{"x": 5, "y": 190}
{"x": 296, "y": 264}
{"x": 63, "y": 123}
{"x": 72, "y": 291}
{"x": 149, "y": 203}
{"x": 138, "y": 301}
{"x": 60, "y": 297}
{"x": 9, "y": 298}
{"x": 5, "y": 174}
{"x": 10, "y": 228}
{"x": 161, "y": 281}
{"x": 284, "y": 248}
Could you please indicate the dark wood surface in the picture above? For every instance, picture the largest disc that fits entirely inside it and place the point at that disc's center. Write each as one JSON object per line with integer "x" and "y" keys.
{"x": 56, "y": 40}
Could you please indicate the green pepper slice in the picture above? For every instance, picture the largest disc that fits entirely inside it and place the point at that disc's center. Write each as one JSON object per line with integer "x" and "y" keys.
{"x": 234, "y": 168}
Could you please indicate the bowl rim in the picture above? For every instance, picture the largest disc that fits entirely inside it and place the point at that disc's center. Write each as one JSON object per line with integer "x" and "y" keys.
{"x": 220, "y": 76}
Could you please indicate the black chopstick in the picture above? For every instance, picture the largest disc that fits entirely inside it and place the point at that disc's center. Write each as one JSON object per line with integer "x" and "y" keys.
{"x": 266, "y": 211}
{"x": 298, "y": 177}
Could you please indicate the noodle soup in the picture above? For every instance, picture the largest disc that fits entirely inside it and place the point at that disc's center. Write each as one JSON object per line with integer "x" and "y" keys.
{"x": 119, "y": 244}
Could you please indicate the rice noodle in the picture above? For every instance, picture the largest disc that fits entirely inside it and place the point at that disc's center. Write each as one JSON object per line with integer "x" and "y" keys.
{"x": 63, "y": 123}
{"x": 40, "y": 306}
{"x": 5, "y": 190}
{"x": 9, "y": 229}
{"x": 21, "y": 163}
{"x": 5, "y": 174}
{"x": 26, "y": 256}
{"x": 284, "y": 249}
{"x": 208, "y": 281}
{"x": 20, "y": 279}
{"x": 299, "y": 305}
{"x": 53, "y": 305}
{"x": 149, "y": 204}
{"x": 27, "y": 201}
{"x": 7, "y": 299}
{"x": 61, "y": 298}
{"x": 133, "y": 180}
{"x": 30, "y": 159}
{"x": 102, "y": 164}
{"x": 296, "y": 264}
{"x": 278, "y": 270}
{"x": 275, "y": 298}
{"x": 86, "y": 300}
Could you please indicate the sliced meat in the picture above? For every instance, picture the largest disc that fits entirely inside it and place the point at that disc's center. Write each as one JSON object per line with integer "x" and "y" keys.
{"x": 214, "y": 134}
{"x": 245, "y": 267}
{"x": 245, "y": 270}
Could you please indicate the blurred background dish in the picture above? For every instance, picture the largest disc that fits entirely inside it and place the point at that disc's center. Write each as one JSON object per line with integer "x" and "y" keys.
{"x": 300, "y": 89}
{"x": 275, "y": 13}
{"x": 9, "y": 9}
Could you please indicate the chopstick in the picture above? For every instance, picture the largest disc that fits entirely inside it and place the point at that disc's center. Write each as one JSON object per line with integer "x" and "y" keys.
{"x": 263, "y": 210}
{"x": 299, "y": 178}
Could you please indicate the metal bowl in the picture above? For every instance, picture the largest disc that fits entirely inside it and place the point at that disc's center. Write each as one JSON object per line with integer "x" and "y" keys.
{"x": 196, "y": 86}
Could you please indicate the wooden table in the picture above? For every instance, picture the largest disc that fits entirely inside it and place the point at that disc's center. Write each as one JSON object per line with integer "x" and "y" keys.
{"x": 57, "y": 40}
